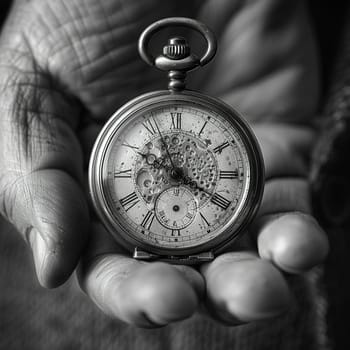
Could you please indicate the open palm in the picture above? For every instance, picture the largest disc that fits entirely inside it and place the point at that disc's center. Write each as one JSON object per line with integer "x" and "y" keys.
{"x": 66, "y": 66}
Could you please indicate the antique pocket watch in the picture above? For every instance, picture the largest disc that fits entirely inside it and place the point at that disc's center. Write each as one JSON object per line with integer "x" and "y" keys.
{"x": 175, "y": 174}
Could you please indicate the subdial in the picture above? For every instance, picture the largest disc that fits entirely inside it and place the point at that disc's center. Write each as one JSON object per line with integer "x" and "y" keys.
{"x": 176, "y": 208}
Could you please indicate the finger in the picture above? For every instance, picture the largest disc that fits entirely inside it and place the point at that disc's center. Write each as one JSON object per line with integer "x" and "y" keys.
{"x": 293, "y": 241}
{"x": 286, "y": 232}
{"x": 263, "y": 80}
{"x": 243, "y": 288}
{"x": 95, "y": 56}
{"x": 285, "y": 195}
{"x": 141, "y": 294}
{"x": 285, "y": 148}
{"x": 41, "y": 166}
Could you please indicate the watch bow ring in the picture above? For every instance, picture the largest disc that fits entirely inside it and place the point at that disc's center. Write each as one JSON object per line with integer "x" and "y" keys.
{"x": 176, "y": 175}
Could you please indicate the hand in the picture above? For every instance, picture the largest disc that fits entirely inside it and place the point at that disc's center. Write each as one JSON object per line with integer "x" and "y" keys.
{"x": 66, "y": 66}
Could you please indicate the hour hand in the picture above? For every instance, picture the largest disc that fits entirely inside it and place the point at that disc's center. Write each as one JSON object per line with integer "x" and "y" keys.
{"x": 193, "y": 184}
{"x": 150, "y": 157}
{"x": 143, "y": 155}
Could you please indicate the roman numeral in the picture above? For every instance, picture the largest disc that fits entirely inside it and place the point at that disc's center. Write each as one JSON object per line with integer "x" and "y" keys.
{"x": 149, "y": 126}
{"x": 228, "y": 174}
{"x": 201, "y": 130}
{"x": 176, "y": 120}
{"x": 123, "y": 174}
{"x": 221, "y": 147}
{"x": 175, "y": 232}
{"x": 148, "y": 220}
{"x": 129, "y": 201}
{"x": 176, "y": 191}
{"x": 204, "y": 219}
{"x": 220, "y": 201}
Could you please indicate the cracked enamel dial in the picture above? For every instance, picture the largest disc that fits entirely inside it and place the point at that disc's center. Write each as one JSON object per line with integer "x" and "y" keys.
{"x": 176, "y": 175}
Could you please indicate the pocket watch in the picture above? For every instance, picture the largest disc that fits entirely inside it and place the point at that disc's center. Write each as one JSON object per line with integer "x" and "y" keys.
{"x": 176, "y": 175}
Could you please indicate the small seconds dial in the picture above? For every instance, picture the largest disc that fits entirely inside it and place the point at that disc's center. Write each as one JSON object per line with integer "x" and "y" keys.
{"x": 176, "y": 208}
{"x": 175, "y": 174}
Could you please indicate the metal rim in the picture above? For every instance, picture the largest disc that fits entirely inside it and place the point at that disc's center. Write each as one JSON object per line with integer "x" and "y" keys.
{"x": 232, "y": 231}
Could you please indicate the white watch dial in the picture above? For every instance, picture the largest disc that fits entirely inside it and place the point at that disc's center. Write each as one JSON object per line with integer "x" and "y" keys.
{"x": 176, "y": 176}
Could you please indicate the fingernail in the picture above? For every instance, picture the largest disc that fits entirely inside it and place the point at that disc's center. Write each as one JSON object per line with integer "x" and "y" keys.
{"x": 39, "y": 249}
{"x": 246, "y": 316}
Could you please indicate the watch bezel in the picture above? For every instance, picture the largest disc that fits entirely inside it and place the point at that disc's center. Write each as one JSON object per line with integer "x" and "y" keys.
{"x": 97, "y": 182}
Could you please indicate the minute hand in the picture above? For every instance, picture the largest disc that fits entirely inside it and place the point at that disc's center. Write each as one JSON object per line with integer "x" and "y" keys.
{"x": 164, "y": 144}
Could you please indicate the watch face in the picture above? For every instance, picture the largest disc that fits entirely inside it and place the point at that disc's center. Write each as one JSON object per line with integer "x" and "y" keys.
{"x": 175, "y": 173}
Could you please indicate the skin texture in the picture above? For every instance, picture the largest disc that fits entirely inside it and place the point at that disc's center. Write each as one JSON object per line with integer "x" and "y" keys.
{"x": 65, "y": 66}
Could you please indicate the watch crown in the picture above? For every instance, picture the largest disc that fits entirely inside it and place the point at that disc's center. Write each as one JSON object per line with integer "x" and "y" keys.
{"x": 177, "y": 48}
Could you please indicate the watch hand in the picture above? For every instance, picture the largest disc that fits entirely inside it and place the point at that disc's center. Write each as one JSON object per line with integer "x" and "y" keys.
{"x": 159, "y": 163}
{"x": 192, "y": 183}
{"x": 203, "y": 190}
{"x": 164, "y": 144}
{"x": 152, "y": 160}
{"x": 134, "y": 148}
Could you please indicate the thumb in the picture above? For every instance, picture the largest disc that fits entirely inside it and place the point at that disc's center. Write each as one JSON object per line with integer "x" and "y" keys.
{"x": 49, "y": 208}
{"x": 40, "y": 166}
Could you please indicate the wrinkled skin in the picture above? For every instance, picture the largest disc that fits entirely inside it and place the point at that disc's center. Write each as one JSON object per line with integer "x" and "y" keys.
{"x": 66, "y": 65}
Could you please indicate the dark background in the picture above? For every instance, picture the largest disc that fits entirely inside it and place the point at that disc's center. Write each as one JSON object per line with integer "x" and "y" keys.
{"x": 4, "y": 5}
